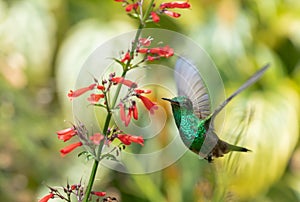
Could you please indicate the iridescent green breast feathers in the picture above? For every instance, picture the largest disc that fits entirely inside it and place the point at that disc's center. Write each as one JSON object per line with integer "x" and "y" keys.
{"x": 192, "y": 112}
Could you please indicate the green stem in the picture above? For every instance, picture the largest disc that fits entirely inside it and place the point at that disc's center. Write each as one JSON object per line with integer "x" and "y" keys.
{"x": 109, "y": 115}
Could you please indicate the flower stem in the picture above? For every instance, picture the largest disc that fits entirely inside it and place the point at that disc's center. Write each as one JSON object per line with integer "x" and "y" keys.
{"x": 109, "y": 114}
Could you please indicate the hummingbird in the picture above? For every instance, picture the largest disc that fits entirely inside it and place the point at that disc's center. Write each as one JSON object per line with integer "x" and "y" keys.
{"x": 192, "y": 112}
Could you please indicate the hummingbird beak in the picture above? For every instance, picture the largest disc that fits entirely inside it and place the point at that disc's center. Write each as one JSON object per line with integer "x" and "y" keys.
{"x": 167, "y": 99}
{"x": 170, "y": 100}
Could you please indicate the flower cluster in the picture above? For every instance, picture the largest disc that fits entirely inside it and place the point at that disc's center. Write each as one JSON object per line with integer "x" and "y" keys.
{"x": 95, "y": 139}
{"x": 164, "y": 8}
{"x": 64, "y": 193}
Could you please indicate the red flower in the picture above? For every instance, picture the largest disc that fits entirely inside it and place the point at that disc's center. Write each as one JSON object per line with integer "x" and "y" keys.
{"x": 155, "y": 17}
{"x": 171, "y": 14}
{"x": 120, "y": 0}
{"x": 128, "y": 117}
{"x": 99, "y": 193}
{"x": 134, "y": 110}
{"x": 129, "y": 7}
{"x": 128, "y": 139}
{"x": 140, "y": 91}
{"x": 122, "y": 112}
{"x": 70, "y": 148}
{"x": 99, "y": 87}
{"x": 145, "y": 41}
{"x": 126, "y": 57}
{"x": 94, "y": 98}
{"x": 151, "y": 58}
{"x": 175, "y": 4}
{"x": 148, "y": 103}
{"x": 76, "y": 93}
{"x": 123, "y": 81}
{"x": 161, "y": 51}
{"x": 97, "y": 138}
{"x": 66, "y": 134}
{"x": 47, "y": 197}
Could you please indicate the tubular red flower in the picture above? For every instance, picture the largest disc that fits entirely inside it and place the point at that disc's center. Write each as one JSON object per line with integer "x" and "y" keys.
{"x": 70, "y": 148}
{"x": 148, "y": 103}
{"x": 128, "y": 139}
{"x": 175, "y": 4}
{"x": 97, "y": 138}
{"x": 143, "y": 50}
{"x": 128, "y": 117}
{"x": 165, "y": 51}
{"x": 155, "y": 17}
{"x": 76, "y": 93}
{"x": 129, "y": 7}
{"x": 134, "y": 111}
{"x": 126, "y": 57}
{"x": 94, "y": 98}
{"x": 122, "y": 112}
{"x": 47, "y": 197}
{"x": 66, "y": 134}
{"x": 140, "y": 91}
{"x": 99, "y": 193}
{"x": 123, "y": 81}
{"x": 171, "y": 14}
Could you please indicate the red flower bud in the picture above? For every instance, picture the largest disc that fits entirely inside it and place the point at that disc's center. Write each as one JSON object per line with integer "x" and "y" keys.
{"x": 129, "y": 7}
{"x": 99, "y": 87}
{"x": 99, "y": 193}
{"x": 155, "y": 17}
{"x": 126, "y": 57}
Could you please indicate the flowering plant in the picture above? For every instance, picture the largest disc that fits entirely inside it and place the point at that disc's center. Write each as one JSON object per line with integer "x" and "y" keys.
{"x": 100, "y": 92}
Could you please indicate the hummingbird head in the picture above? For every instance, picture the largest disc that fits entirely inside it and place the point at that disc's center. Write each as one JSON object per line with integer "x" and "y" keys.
{"x": 181, "y": 101}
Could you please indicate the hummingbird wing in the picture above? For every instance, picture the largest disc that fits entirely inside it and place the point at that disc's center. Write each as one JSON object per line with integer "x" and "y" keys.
{"x": 248, "y": 83}
{"x": 190, "y": 84}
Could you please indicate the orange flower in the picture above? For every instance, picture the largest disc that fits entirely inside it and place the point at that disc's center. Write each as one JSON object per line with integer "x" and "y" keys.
{"x": 70, "y": 148}
{"x": 128, "y": 139}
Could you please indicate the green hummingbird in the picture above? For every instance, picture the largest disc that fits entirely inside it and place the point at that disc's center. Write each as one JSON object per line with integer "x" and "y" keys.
{"x": 192, "y": 112}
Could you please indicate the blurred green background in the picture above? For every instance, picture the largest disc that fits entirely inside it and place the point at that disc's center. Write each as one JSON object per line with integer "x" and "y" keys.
{"x": 44, "y": 44}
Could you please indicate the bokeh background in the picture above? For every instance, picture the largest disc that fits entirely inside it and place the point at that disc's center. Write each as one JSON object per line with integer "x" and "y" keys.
{"x": 45, "y": 43}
